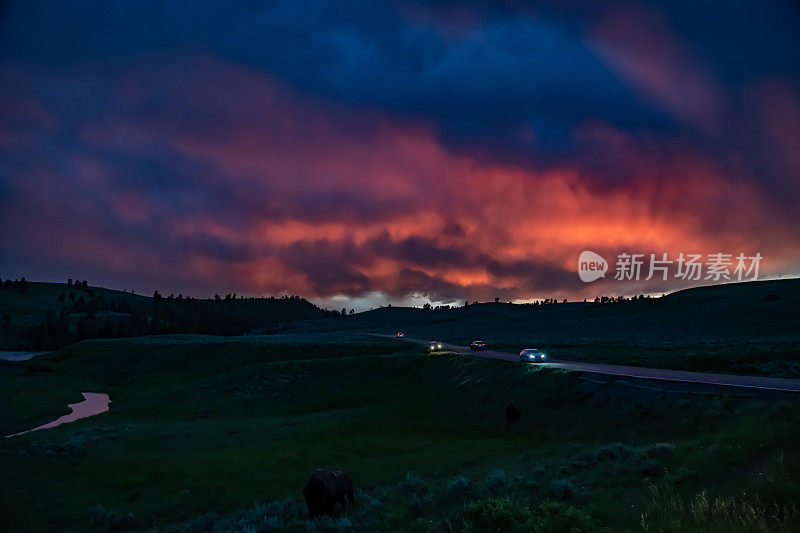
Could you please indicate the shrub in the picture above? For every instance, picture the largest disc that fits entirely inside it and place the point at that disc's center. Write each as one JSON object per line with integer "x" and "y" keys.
{"x": 562, "y": 489}
{"x": 459, "y": 485}
{"x": 326, "y": 524}
{"x": 99, "y": 515}
{"x": 200, "y": 524}
{"x": 612, "y": 452}
{"x": 669, "y": 512}
{"x": 609, "y": 452}
{"x": 661, "y": 450}
{"x": 369, "y": 510}
{"x": 523, "y": 482}
{"x": 495, "y": 480}
{"x": 102, "y": 517}
{"x": 289, "y": 514}
{"x": 124, "y": 522}
{"x": 651, "y": 469}
{"x": 415, "y": 505}
{"x": 276, "y": 515}
{"x": 558, "y": 517}
{"x": 411, "y": 483}
{"x": 495, "y": 514}
{"x": 75, "y": 445}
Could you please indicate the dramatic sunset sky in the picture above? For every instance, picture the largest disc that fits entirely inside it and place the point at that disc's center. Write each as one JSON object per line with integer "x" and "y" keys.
{"x": 363, "y": 152}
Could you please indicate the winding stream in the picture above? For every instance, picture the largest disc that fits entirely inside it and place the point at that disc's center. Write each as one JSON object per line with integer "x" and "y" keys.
{"x": 18, "y": 356}
{"x": 93, "y": 403}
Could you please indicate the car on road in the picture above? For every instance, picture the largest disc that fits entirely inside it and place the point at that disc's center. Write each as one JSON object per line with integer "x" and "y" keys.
{"x": 532, "y": 355}
{"x": 400, "y": 334}
{"x": 477, "y": 346}
{"x": 434, "y": 346}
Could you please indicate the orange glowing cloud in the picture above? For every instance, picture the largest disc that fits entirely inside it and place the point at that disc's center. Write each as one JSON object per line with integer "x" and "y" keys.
{"x": 274, "y": 191}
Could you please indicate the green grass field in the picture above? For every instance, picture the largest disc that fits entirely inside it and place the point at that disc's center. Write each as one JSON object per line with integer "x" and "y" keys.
{"x": 213, "y": 433}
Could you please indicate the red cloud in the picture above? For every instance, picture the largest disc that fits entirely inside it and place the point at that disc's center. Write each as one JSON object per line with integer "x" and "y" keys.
{"x": 272, "y": 191}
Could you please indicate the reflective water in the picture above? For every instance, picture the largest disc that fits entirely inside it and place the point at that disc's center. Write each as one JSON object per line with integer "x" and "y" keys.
{"x": 18, "y": 356}
{"x": 93, "y": 403}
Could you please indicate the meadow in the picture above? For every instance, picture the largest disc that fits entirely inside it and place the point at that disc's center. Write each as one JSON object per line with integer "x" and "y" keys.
{"x": 219, "y": 434}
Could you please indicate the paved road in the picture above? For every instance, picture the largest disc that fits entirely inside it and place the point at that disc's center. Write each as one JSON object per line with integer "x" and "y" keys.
{"x": 727, "y": 380}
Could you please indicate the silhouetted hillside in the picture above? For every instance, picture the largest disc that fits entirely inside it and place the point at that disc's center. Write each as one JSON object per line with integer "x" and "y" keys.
{"x": 747, "y": 311}
{"x": 43, "y": 316}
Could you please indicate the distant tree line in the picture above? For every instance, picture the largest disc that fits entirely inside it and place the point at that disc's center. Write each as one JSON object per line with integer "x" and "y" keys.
{"x": 546, "y": 301}
{"x": 333, "y": 313}
{"x": 619, "y": 299}
{"x": 15, "y": 285}
{"x": 78, "y": 284}
{"x": 86, "y": 313}
{"x": 538, "y": 303}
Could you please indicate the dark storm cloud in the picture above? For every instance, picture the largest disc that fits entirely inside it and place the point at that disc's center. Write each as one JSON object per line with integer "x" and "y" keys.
{"x": 504, "y": 82}
{"x": 425, "y": 252}
{"x": 511, "y": 82}
{"x": 489, "y": 82}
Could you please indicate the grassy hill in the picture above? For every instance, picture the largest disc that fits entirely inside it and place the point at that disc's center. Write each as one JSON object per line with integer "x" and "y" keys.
{"x": 737, "y": 310}
{"x": 21, "y": 310}
{"x": 751, "y": 328}
{"x": 50, "y": 315}
{"x": 219, "y": 434}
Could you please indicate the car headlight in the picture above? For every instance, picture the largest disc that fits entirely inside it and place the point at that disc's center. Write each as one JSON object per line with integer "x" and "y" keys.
{"x": 439, "y": 346}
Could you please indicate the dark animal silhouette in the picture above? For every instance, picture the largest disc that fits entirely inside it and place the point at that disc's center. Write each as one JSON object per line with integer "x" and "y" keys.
{"x": 512, "y": 413}
{"x": 326, "y": 488}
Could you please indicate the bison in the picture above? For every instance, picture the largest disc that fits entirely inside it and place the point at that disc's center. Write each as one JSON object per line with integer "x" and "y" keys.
{"x": 512, "y": 413}
{"x": 325, "y": 489}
